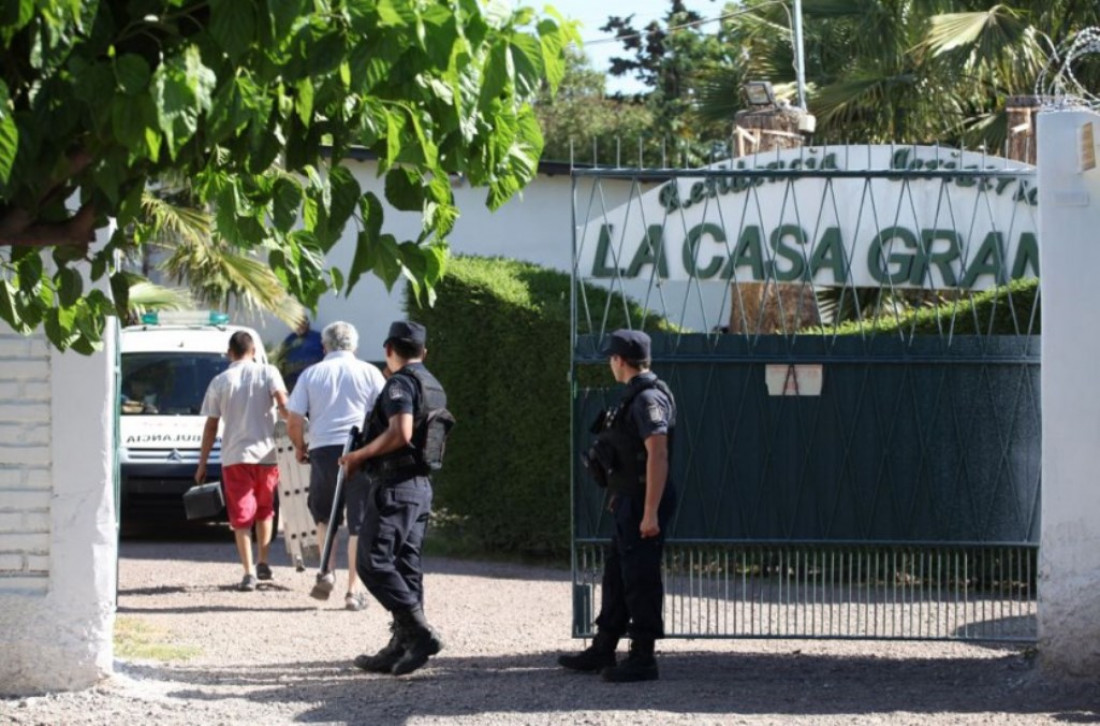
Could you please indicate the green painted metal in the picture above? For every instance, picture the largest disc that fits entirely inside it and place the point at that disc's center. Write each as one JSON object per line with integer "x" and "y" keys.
{"x": 901, "y": 502}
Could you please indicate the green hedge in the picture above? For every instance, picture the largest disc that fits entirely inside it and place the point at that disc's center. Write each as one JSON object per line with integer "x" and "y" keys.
{"x": 498, "y": 339}
{"x": 1012, "y": 309}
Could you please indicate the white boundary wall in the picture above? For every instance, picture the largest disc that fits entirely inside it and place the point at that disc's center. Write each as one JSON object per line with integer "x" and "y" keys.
{"x": 1069, "y": 234}
{"x": 58, "y": 542}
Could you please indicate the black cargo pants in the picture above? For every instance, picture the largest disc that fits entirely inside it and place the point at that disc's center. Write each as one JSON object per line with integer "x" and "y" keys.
{"x": 632, "y": 593}
{"x": 391, "y": 539}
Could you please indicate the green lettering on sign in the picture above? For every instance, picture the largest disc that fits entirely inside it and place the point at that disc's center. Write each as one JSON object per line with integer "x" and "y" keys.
{"x": 691, "y": 251}
{"x": 600, "y": 267}
{"x": 879, "y": 268}
{"x": 830, "y": 254}
{"x": 1027, "y": 255}
{"x": 929, "y": 257}
{"x": 988, "y": 260}
{"x": 651, "y": 252}
{"x": 749, "y": 252}
{"x": 796, "y": 257}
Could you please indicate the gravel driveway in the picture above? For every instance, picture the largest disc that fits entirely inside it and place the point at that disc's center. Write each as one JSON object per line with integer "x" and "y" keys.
{"x": 277, "y": 656}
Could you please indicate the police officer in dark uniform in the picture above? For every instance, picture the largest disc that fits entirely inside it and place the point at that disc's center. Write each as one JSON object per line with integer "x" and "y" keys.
{"x": 400, "y": 503}
{"x": 631, "y": 456}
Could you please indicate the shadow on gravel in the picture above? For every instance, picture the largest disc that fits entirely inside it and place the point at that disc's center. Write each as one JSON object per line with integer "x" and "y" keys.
{"x": 707, "y": 684}
{"x": 215, "y": 609}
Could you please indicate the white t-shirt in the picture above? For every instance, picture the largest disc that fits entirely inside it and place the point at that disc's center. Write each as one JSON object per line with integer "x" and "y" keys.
{"x": 244, "y": 396}
{"x": 335, "y": 395}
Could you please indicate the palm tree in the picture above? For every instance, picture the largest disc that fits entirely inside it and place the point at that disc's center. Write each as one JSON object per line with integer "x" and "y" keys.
{"x": 905, "y": 71}
{"x": 215, "y": 274}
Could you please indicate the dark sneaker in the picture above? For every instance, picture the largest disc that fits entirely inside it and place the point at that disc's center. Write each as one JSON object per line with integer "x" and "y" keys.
{"x": 633, "y": 668}
{"x": 589, "y": 660}
{"x": 263, "y": 572}
{"x": 324, "y": 586}
{"x": 248, "y": 583}
{"x": 384, "y": 660}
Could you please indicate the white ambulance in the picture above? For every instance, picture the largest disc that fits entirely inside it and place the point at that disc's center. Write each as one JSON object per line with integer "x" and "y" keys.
{"x": 167, "y": 363}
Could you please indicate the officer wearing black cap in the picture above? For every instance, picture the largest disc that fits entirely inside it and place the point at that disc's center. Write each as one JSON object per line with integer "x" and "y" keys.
{"x": 397, "y": 511}
{"x": 634, "y": 441}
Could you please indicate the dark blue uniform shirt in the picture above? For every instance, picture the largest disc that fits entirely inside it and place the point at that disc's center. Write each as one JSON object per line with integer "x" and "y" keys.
{"x": 400, "y": 395}
{"x": 651, "y": 412}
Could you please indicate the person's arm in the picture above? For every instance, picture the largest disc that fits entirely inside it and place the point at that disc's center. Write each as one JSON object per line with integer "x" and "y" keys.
{"x": 656, "y": 474}
{"x": 278, "y": 390}
{"x": 295, "y": 429}
{"x": 209, "y": 433}
{"x": 397, "y": 435}
{"x": 280, "y": 404}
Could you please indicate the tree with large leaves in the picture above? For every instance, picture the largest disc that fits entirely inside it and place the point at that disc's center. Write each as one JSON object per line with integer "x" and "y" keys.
{"x": 255, "y": 102}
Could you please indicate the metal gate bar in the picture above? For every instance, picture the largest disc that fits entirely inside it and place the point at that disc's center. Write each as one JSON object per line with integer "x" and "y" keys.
{"x": 882, "y": 591}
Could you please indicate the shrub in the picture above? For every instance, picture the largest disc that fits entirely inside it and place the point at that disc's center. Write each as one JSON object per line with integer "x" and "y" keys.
{"x": 1011, "y": 309}
{"x": 498, "y": 340}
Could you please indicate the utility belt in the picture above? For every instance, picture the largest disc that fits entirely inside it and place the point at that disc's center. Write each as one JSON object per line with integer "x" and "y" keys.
{"x": 392, "y": 470}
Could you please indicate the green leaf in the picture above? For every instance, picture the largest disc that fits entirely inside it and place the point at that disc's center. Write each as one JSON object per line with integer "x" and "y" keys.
{"x": 344, "y": 196}
{"x": 303, "y": 101}
{"x": 363, "y": 260}
{"x": 528, "y": 64}
{"x": 9, "y": 135}
{"x": 132, "y": 74}
{"x": 7, "y": 309}
{"x": 233, "y": 26}
{"x": 70, "y": 286}
{"x": 337, "y": 278}
{"x": 404, "y": 190}
{"x": 120, "y": 291}
{"x": 497, "y": 13}
{"x": 387, "y": 263}
{"x": 393, "y": 138}
{"x": 496, "y": 74}
{"x": 286, "y": 199}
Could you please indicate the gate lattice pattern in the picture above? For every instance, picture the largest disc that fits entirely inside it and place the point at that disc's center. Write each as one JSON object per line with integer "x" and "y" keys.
{"x": 852, "y": 336}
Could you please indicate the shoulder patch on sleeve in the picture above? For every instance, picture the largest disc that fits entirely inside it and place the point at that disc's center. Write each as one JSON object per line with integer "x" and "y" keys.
{"x": 396, "y": 393}
{"x": 656, "y": 415}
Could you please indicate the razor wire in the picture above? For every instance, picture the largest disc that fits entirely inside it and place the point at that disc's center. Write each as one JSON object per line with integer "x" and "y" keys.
{"x": 1057, "y": 84}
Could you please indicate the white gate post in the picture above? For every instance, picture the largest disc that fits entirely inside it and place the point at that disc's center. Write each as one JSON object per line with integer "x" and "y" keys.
{"x": 1069, "y": 243}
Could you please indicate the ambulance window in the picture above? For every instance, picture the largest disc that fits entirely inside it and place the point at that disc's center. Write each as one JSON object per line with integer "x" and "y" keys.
{"x": 167, "y": 384}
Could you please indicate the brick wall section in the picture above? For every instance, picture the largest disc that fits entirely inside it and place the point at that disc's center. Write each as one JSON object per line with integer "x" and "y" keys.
{"x": 25, "y": 481}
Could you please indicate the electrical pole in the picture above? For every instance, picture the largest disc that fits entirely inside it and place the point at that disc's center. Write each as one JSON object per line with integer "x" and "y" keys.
{"x": 799, "y": 60}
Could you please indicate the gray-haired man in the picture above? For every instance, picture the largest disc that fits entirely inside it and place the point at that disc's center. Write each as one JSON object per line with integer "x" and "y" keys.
{"x": 335, "y": 395}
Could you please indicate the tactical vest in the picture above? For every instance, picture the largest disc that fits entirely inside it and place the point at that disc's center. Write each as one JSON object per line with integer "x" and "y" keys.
{"x": 431, "y": 424}
{"x": 626, "y": 475}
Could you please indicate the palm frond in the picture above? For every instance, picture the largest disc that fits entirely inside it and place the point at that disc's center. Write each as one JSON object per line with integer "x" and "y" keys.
{"x": 146, "y": 297}
{"x": 986, "y": 33}
{"x": 176, "y": 223}
{"x": 218, "y": 275}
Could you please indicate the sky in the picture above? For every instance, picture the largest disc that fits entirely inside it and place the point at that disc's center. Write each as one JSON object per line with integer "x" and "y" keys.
{"x": 594, "y": 13}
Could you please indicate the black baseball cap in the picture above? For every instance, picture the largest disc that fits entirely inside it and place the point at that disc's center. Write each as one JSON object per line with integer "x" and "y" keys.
{"x": 629, "y": 344}
{"x": 407, "y": 331}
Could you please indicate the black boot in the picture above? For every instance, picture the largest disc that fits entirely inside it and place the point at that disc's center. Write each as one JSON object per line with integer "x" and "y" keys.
{"x": 594, "y": 658}
{"x": 639, "y": 665}
{"x": 418, "y": 639}
{"x": 384, "y": 660}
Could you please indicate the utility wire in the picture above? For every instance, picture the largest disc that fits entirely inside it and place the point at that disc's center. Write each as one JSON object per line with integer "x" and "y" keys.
{"x": 693, "y": 24}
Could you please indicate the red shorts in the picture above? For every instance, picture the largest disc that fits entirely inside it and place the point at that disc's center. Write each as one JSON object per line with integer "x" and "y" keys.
{"x": 249, "y": 493}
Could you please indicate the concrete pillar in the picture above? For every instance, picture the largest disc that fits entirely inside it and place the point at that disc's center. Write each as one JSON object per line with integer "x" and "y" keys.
{"x": 57, "y": 611}
{"x": 1069, "y": 220}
